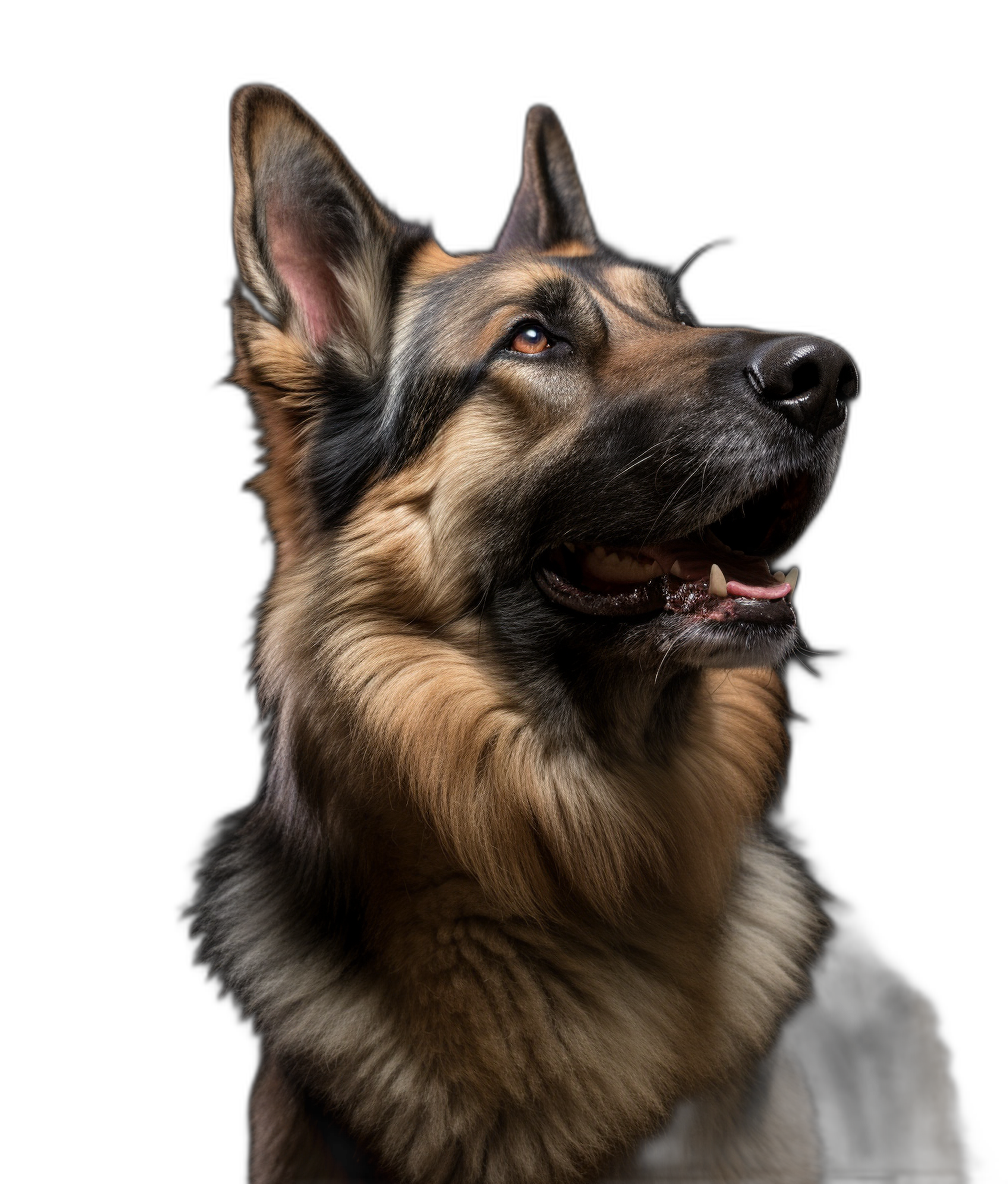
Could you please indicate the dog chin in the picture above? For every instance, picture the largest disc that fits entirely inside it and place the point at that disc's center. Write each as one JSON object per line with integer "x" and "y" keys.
{"x": 734, "y": 644}
{"x": 667, "y": 643}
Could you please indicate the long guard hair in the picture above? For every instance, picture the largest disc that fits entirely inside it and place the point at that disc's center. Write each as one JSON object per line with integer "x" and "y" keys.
{"x": 508, "y": 897}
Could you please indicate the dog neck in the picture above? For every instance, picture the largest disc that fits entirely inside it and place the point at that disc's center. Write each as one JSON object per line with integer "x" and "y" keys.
{"x": 462, "y": 1035}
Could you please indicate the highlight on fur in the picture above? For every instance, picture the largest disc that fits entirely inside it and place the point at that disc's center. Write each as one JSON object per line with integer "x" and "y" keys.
{"x": 509, "y": 906}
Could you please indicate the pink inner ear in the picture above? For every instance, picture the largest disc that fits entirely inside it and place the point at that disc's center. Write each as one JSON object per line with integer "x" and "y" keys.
{"x": 305, "y": 270}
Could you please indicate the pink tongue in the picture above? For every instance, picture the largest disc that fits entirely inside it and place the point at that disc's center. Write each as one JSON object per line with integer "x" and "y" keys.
{"x": 757, "y": 592}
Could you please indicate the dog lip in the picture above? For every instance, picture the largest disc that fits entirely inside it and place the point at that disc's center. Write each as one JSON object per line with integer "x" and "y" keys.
{"x": 636, "y": 600}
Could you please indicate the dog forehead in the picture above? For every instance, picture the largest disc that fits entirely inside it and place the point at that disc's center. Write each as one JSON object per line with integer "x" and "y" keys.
{"x": 633, "y": 285}
{"x": 478, "y": 282}
{"x": 463, "y": 303}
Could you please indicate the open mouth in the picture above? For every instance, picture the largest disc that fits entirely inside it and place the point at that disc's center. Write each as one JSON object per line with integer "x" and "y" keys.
{"x": 718, "y": 573}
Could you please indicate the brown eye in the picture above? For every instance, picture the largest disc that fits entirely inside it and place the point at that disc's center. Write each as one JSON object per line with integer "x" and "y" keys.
{"x": 531, "y": 339}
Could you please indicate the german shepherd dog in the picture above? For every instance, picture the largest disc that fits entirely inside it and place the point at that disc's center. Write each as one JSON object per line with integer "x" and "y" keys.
{"x": 508, "y": 908}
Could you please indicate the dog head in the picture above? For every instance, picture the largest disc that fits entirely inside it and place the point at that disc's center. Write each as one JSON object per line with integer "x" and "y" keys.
{"x": 589, "y": 453}
{"x": 521, "y": 491}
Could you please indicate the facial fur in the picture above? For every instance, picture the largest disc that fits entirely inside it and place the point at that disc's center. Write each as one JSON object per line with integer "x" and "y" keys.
{"x": 481, "y": 459}
{"x": 523, "y": 789}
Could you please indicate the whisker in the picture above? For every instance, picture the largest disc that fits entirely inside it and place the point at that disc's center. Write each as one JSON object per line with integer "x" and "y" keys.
{"x": 681, "y": 271}
{"x": 672, "y": 496}
{"x": 640, "y": 459}
{"x": 662, "y": 663}
{"x": 479, "y": 627}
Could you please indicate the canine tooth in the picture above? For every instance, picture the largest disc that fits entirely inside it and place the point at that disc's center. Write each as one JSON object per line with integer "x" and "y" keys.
{"x": 569, "y": 546}
{"x": 792, "y": 578}
{"x": 676, "y": 570}
{"x": 717, "y": 583}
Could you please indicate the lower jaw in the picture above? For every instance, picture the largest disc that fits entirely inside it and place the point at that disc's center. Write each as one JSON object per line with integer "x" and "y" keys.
{"x": 666, "y": 595}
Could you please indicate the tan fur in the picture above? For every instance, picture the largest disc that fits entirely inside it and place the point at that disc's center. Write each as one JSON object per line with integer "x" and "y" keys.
{"x": 431, "y": 702}
{"x": 566, "y": 938}
{"x": 282, "y": 379}
{"x": 483, "y": 1036}
{"x": 572, "y": 248}
{"x": 431, "y": 261}
{"x": 503, "y": 1050}
{"x": 283, "y": 373}
{"x": 520, "y": 1040}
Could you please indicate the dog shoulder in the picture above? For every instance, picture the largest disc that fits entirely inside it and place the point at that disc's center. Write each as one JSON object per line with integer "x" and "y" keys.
{"x": 877, "y": 1069}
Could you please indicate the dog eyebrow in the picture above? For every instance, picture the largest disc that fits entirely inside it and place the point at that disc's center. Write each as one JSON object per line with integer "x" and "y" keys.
{"x": 553, "y": 297}
{"x": 560, "y": 298}
{"x": 589, "y": 270}
{"x": 649, "y": 320}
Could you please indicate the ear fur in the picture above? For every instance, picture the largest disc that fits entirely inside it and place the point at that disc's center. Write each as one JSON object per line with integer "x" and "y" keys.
{"x": 319, "y": 259}
{"x": 313, "y": 244}
{"x": 549, "y": 207}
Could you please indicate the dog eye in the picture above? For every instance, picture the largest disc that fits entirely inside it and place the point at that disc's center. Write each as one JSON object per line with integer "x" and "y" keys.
{"x": 531, "y": 339}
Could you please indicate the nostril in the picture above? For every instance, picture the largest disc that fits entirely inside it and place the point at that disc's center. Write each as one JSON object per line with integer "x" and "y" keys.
{"x": 847, "y": 382}
{"x": 804, "y": 379}
{"x": 809, "y": 380}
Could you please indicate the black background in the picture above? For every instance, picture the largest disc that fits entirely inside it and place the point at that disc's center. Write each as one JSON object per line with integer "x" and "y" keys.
{"x": 829, "y": 195}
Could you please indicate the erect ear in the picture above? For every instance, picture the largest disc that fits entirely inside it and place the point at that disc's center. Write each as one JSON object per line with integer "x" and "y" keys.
{"x": 549, "y": 207}
{"x": 318, "y": 257}
{"x": 313, "y": 244}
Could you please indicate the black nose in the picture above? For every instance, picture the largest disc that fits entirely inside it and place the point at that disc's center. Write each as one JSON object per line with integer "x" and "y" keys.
{"x": 808, "y": 379}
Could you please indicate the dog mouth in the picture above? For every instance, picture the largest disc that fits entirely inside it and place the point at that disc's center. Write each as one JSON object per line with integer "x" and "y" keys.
{"x": 717, "y": 573}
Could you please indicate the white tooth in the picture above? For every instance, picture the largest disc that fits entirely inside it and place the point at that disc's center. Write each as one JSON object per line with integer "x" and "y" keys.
{"x": 717, "y": 583}
{"x": 780, "y": 577}
{"x": 569, "y": 546}
{"x": 792, "y": 578}
{"x": 676, "y": 570}
{"x": 600, "y": 552}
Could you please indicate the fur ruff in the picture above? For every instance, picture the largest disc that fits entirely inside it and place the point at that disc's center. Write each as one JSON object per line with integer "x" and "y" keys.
{"x": 483, "y": 1036}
